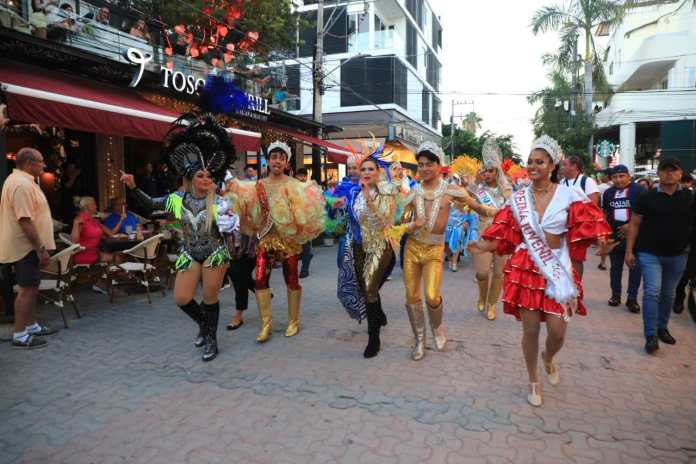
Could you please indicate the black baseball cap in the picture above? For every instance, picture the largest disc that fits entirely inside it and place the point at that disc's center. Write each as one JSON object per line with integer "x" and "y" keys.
{"x": 669, "y": 162}
{"x": 618, "y": 169}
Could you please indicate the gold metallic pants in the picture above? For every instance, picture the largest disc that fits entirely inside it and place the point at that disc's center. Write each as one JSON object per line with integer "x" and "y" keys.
{"x": 423, "y": 266}
{"x": 371, "y": 278}
{"x": 483, "y": 262}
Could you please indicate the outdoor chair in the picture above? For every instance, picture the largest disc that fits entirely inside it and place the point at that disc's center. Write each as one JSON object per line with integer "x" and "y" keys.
{"x": 139, "y": 266}
{"x": 57, "y": 281}
{"x": 89, "y": 272}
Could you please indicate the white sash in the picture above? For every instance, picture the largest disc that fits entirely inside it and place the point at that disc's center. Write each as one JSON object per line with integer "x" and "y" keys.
{"x": 560, "y": 285}
{"x": 485, "y": 198}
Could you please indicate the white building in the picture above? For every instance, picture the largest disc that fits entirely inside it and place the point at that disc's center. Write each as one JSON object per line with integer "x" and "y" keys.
{"x": 651, "y": 65}
{"x": 382, "y": 70}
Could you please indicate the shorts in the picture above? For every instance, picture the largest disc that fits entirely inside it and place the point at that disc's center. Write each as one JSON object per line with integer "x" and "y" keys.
{"x": 27, "y": 271}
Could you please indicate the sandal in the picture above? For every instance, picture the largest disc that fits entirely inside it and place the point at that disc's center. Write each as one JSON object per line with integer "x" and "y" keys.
{"x": 534, "y": 396}
{"x": 551, "y": 371}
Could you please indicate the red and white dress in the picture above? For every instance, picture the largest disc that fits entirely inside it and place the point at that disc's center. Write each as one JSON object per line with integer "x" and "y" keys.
{"x": 537, "y": 277}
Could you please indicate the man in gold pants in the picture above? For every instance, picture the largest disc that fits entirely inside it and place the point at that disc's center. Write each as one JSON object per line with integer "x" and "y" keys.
{"x": 491, "y": 193}
{"x": 423, "y": 258}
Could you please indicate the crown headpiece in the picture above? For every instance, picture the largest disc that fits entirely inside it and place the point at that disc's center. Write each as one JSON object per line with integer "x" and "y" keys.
{"x": 490, "y": 153}
{"x": 431, "y": 147}
{"x": 278, "y": 145}
{"x": 550, "y": 146}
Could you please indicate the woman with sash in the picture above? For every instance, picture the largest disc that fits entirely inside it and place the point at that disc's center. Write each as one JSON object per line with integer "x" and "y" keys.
{"x": 539, "y": 227}
{"x": 492, "y": 192}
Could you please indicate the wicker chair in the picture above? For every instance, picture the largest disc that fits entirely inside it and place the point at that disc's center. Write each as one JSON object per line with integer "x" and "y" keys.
{"x": 139, "y": 266}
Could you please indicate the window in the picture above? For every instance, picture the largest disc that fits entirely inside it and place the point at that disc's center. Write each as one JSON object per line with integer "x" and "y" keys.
{"x": 425, "y": 117}
{"x": 690, "y": 76}
{"x": 435, "y": 122}
{"x": 373, "y": 80}
{"x": 411, "y": 45}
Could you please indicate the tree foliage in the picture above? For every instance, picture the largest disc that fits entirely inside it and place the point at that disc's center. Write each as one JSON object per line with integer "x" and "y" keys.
{"x": 466, "y": 142}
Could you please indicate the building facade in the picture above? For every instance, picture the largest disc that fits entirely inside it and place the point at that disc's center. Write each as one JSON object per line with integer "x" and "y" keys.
{"x": 650, "y": 64}
{"x": 382, "y": 66}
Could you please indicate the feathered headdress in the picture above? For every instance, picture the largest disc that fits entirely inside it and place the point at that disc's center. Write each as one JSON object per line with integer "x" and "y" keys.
{"x": 373, "y": 150}
{"x": 466, "y": 167}
{"x": 196, "y": 142}
{"x": 550, "y": 146}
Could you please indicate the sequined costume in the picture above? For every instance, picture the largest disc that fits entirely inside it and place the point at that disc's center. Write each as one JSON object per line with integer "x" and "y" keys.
{"x": 199, "y": 243}
{"x": 462, "y": 227}
{"x": 283, "y": 216}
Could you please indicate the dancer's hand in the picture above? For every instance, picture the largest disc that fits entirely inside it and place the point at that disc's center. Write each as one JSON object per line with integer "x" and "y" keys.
{"x": 128, "y": 180}
{"x": 630, "y": 259}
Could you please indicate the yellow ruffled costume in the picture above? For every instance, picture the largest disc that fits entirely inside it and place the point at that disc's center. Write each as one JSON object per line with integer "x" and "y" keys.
{"x": 283, "y": 215}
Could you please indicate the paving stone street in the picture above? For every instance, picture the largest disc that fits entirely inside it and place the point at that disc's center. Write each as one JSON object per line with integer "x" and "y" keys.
{"x": 125, "y": 385}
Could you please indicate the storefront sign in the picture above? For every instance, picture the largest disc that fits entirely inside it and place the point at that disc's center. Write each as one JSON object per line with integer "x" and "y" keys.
{"x": 187, "y": 83}
{"x": 605, "y": 149}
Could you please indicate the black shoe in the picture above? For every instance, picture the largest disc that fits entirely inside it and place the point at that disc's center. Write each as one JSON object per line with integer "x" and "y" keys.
{"x": 678, "y": 307}
{"x": 602, "y": 267}
{"x": 373, "y": 346}
{"x": 633, "y": 306}
{"x": 31, "y": 343}
{"x": 210, "y": 350}
{"x": 194, "y": 311}
{"x": 382, "y": 315}
{"x": 44, "y": 331}
{"x": 651, "y": 344}
{"x": 304, "y": 274}
{"x": 374, "y": 322}
{"x": 666, "y": 337}
{"x": 199, "y": 341}
{"x": 614, "y": 301}
{"x": 235, "y": 326}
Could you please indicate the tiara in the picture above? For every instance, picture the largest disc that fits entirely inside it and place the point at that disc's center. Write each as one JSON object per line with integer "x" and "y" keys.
{"x": 278, "y": 145}
{"x": 431, "y": 147}
{"x": 550, "y": 146}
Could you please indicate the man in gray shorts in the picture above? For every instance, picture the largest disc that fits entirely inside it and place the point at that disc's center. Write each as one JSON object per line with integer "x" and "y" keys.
{"x": 26, "y": 233}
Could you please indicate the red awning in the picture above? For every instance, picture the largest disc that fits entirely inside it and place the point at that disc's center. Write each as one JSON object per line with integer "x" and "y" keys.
{"x": 36, "y": 95}
{"x": 335, "y": 153}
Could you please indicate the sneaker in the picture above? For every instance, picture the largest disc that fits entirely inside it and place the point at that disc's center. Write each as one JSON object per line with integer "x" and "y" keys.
{"x": 44, "y": 331}
{"x": 633, "y": 306}
{"x": 98, "y": 289}
{"x": 30, "y": 343}
{"x": 651, "y": 344}
{"x": 614, "y": 301}
{"x": 666, "y": 337}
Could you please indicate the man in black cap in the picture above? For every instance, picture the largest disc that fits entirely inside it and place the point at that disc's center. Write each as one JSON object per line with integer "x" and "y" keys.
{"x": 616, "y": 202}
{"x": 659, "y": 234}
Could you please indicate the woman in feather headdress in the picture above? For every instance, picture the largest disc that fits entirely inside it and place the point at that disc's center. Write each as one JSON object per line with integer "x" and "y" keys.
{"x": 198, "y": 149}
{"x": 368, "y": 255}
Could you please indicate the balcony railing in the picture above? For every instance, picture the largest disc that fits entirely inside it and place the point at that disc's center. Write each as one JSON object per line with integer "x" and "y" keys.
{"x": 377, "y": 40}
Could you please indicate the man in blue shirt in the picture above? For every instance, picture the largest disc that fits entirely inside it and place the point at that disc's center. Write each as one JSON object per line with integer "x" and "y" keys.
{"x": 118, "y": 209}
{"x": 616, "y": 203}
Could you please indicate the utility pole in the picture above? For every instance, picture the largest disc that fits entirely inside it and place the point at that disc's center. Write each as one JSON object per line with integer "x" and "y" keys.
{"x": 318, "y": 79}
{"x": 452, "y": 116}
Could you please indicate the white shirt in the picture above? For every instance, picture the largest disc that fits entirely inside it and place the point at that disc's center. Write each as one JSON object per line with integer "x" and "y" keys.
{"x": 576, "y": 183}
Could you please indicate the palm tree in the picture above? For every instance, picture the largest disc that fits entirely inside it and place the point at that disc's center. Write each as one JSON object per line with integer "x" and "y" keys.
{"x": 576, "y": 18}
{"x": 472, "y": 122}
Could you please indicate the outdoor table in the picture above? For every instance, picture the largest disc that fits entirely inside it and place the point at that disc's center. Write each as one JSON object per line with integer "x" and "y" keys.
{"x": 120, "y": 242}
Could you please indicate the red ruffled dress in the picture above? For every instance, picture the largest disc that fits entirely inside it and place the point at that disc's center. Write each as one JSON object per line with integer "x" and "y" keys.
{"x": 524, "y": 285}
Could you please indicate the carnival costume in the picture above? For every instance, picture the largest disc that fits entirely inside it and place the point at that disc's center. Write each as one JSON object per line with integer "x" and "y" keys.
{"x": 283, "y": 216}
{"x": 493, "y": 198}
{"x": 195, "y": 143}
{"x": 537, "y": 277}
{"x": 338, "y": 218}
{"x": 368, "y": 257}
{"x": 423, "y": 259}
{"x": 462, "y": 227}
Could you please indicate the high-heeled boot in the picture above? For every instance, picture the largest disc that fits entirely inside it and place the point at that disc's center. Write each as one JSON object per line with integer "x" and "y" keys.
{"x": 294, "y": 299}
{"x": 493, "y": 295}
{"x": 382, "y": 315}
{"x": 435, "y": 316}
{"x": 374, "y": 322}
{"x": 483, "y": 291}
{"x": 417, "y": 318}
{"x": 193, "y": 310}
{"x": 211, "y": 313}
{"x": 263, "y": 302}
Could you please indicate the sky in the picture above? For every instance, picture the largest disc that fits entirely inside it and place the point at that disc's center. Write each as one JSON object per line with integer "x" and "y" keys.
{"x": 488, "y": 46}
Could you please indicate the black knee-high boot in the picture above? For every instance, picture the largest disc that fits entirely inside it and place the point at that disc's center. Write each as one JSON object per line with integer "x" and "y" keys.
{"x": 195, "y": 312}
{"x": 382, "y": 315}
{"x": 374, "y": 322}
{"x": 211, "y": 315}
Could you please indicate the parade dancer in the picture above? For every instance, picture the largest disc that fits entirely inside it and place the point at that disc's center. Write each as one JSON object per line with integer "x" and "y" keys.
{"x": 283, "y": 213}
{"x": 338, "y": 203}
{"x": 462, "y": 226}
{"x": 540, "y": 227}
{"x": 368, "y": 256}
{"x": 428, "y": 208}
{"x": 492, "y": 192}
{"x": 198, "y": 149}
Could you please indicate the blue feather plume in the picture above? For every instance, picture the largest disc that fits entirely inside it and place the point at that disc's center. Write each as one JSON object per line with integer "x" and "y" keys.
{"x": 221, "y": 94}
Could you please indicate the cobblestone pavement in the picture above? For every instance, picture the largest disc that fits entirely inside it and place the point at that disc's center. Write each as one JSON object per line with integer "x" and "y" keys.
{"x": 125, "y": 385}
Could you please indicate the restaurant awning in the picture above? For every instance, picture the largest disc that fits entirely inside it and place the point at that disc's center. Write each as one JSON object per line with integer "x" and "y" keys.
{"x": 51, "y": 98}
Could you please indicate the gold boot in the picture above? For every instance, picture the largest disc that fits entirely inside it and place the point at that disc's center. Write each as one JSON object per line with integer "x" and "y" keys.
{"x": 483, "y": 291}
{"x": 417, "y": 318}
{"x": 294, "y": 297}
{"x": 493, "y": 295}
{"x": 263, "y": 302}
{"x": 435, "y": 316}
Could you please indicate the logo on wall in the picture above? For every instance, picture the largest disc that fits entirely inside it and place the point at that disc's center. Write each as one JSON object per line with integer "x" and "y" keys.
{"x": 605, "y": 149}
{"x": 141, "y": 59}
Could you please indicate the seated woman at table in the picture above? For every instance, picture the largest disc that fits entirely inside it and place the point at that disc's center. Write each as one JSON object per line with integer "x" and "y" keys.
{"x": 88, "y": 232}
{"x": 118, "y": 209}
